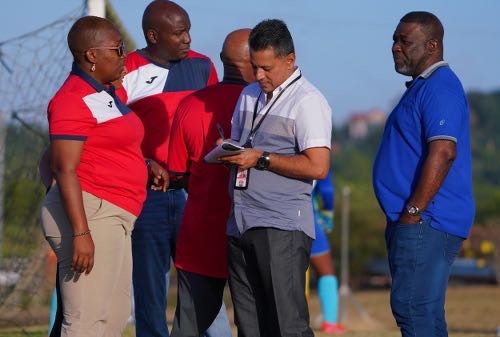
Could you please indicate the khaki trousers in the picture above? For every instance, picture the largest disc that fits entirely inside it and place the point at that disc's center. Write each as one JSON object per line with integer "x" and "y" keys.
{"x": 97, "y": 304}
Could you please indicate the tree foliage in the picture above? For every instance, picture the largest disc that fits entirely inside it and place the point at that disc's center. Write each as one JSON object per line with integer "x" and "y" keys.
{"x": 23, "y": 191}
{"x": 352, "y": 166}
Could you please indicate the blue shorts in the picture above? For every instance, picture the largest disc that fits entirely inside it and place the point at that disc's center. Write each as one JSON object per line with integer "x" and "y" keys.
{"x": 321, "y": 245}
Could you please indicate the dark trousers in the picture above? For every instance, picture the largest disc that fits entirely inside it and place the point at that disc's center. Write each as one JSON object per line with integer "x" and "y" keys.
{"x": 199, "y": 299}
{"x": 267, "y": 269}
{"x": 153, "y": 244}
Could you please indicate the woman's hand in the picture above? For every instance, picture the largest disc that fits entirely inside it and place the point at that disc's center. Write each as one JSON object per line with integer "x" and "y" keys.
{"x": 83, "y": 254}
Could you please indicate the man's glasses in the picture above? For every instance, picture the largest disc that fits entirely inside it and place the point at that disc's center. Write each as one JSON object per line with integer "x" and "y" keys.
{"x": 121, "y": 50}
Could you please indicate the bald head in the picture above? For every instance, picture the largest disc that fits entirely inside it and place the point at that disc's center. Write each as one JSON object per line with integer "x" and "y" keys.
{"x": 88, "y": 32}
{"x": 235, "y": 56}
{"x": 166, "y": 28}
{"x": 235, "y": 47}
{"x": 158, "y": 12}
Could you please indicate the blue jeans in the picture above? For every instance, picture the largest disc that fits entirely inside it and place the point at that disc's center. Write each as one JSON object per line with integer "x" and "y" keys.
{"x": 220, "y": 326}
{"x": 420, "y": 258}
{"x": 153, "y": 244}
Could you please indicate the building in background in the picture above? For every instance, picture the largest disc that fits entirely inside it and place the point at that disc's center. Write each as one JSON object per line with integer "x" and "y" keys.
{"x": 360, "y": 124}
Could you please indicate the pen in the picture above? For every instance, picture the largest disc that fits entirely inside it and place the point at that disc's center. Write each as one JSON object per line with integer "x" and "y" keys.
{"x": 221, "y": 130}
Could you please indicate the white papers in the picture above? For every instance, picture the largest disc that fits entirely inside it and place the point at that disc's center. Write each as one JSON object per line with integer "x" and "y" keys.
{"x": 226, "y": 148}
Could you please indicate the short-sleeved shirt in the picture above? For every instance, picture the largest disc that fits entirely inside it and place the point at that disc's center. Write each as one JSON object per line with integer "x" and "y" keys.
{"x": 111, "y": 164}
{"x": 434, "y": 107}
{"x": 154, "y": 91}
{"x": 298, "y": 120}
{"x": 201, "y": 243}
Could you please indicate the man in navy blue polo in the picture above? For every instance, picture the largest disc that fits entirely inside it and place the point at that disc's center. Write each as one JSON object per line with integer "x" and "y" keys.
{"x": 422, "y": 177}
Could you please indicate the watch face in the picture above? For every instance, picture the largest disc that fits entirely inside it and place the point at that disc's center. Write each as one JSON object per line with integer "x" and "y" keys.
{"x": 262, "y": 163}
{"x": 412, "y": 210}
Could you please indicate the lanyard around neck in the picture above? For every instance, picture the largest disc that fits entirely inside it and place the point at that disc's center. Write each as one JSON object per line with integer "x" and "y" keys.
{"x": 253, "y": 130}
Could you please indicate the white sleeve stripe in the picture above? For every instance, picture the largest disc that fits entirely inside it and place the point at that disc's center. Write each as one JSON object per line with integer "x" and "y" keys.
{"x": 441, "y": 137}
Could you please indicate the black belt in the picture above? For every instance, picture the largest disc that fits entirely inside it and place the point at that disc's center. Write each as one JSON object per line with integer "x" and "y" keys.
{"x": 173, "y": 186}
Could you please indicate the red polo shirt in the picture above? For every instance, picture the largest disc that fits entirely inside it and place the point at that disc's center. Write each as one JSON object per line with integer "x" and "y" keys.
{"x": 111, "y": 164}
{"x": 154, "y": 91}
{"x": 201, "y": 244}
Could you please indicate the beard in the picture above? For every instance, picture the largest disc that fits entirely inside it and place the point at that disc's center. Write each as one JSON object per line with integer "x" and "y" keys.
{"x": 402, "y": 67}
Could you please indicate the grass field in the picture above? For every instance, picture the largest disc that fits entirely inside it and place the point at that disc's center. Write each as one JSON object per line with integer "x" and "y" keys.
{"x": 472, "y": 311}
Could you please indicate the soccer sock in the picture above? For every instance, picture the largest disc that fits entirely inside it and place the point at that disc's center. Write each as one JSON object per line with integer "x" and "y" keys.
{"x": 53, "y": 309}
{"x": 328, "y": 297}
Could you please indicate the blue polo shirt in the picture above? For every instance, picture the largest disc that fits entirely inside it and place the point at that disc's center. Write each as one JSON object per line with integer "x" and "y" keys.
{"x": 433, "y": 107}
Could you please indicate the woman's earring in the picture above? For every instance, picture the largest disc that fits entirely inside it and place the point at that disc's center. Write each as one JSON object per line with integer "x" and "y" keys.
{"x": 93, "y": 67}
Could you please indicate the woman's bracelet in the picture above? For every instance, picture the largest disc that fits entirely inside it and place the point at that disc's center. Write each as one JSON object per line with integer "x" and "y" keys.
{"x": 82, "y": 233}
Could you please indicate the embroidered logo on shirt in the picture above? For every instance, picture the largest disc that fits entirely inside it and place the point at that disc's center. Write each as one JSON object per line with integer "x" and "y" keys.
{"x": 441, "y": 122}
{"x": 151, "y": 80}
{"x": 110, "y": 104}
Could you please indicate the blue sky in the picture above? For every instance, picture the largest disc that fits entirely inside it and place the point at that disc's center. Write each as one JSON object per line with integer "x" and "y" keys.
{"x": 343, "y": 47}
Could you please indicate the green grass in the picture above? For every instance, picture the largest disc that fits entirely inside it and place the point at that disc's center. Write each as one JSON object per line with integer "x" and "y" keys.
{"x": 129, "y": 332}
{"x": 35, "y": 331}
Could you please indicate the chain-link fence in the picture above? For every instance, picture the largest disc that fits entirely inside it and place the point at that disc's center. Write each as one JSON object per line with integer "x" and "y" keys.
{"x": 32, "y": 68}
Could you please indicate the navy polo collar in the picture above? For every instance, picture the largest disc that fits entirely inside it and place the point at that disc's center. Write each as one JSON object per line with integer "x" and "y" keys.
{"x": 150, "y": 60}
{"x": 233, "y": 81}
{"x": 76, "y": 70}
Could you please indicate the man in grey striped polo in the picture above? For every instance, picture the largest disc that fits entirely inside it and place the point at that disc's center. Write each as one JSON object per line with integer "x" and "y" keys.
{"x": 285, "y": 124}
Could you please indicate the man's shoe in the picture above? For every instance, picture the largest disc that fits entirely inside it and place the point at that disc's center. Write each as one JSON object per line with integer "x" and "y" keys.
{"x": 333, "y": 328}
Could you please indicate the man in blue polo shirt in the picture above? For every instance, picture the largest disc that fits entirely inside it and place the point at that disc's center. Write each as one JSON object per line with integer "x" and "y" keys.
{"x": 422, "y": 177}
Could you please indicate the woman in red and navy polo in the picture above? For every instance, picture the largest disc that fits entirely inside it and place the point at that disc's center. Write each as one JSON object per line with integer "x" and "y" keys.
{"x": 100, "y": 176}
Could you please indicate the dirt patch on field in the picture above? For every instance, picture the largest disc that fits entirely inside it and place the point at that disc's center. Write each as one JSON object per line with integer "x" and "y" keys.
{"x": 470, "y": 311}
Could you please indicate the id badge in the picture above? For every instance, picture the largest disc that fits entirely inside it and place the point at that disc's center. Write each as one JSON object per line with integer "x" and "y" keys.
{"x": 242, "y": 178}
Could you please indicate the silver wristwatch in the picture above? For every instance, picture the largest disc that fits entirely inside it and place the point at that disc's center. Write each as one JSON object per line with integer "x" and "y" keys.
{"x": 413, "y": 210}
